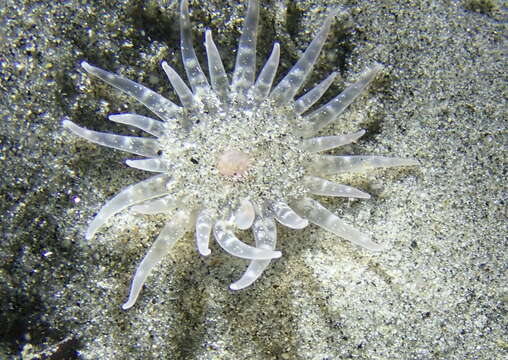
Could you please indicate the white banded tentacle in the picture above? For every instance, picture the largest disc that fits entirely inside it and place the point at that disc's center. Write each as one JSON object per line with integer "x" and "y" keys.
{"x": 287, "y": 88}
{"x": 150, "y": 188}
{"x": 322, "y": 217}
{"x": 319, "y": 186}
{"x": 134, "y": 145}
{"x": 218, "y": 77}
{"x": 195, "y": 75}
{"x": 304, "y": 102}
{"x": 318, "y": 119}
{"x": 156, "y": 206}
{"x": 244, "y": 215}
{"x": 265, "y": 78}
{"x": 152, "y": 165}
{"x": 341, "y": 164}
{"x": 158, "y": 104}
{"x": 145, "y": 123}
{"x": 182, "y": 90}
{"x": 172, "y": 231}
{"x": 324, "y": 143}
{"x": 245, "y": 67}
{"x": 265, "y": 234}
{"x": 287, "y": 216}
{"x": 223, "y": 232}
{"x": 204, "y": 224}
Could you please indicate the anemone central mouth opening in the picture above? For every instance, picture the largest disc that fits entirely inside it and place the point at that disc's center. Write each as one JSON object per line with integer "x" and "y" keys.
{"x": 233, "y": 163}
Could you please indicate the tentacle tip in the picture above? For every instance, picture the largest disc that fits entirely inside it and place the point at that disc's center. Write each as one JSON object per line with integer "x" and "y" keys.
{"x": 277, "y": 254}
{"x": 86, "y": 66}
{"x": 114, "y": 117}
{"x": 205, "y": 252}
{"x": 90, "y": 232}
{"x": 301, "y": 225}
{"x": 67, "y": 123}
{"x": 130, "y": 303}
{"x": 234, "y": 286}
{"x": 376, "y": 68}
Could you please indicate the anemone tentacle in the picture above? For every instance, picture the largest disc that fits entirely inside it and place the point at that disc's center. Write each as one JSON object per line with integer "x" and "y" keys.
{"x": 304, "y": 102}
{"x": 150, "y": 188}
{"x": 153, "y": 165}
{"x": 319, "y": 215}
{"x": 244, "y": 215}
{"x": 135, "y": 145}
{"x": 159, "y": 105}
{"x": 182, "y": 90}
{"x": 331, "y": 110}
{"x": 245, "y": 66}
{"x": 291, "y": 83}
{"x": 172, "y": 231}
{"x": 164, "y": 204}
{"x": 223, "y": 231}
{"x": 319, "y": 186}
{"x": 218, "y": 77}
{"x": 190, "y": 61}
{"x": 204, "y": 226}
{"x": 324, "y": 143}
{"x": 341, "y": 164}
{"x": 265, "y": 234}
{"x": 149, "y": 125}
{"x": 287, "y": 216}
{"x": 265, "y": 78}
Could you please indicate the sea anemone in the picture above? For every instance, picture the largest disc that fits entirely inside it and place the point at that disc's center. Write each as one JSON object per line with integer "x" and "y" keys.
{"x": 235, "y": 154}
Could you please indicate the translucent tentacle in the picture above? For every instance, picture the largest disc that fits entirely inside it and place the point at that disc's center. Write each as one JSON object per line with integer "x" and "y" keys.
{"x": 324, "y": 143}
{"x": 229, "y": 242}
{"x": 156, "y": 206}
{"x": 150, "y": 188}
{"x": 330, "y": 164}
{"x": 306, "y": 101}
{"x": 287, "y": 216}
{"x": 319, "y": 215}
{"x": 265, "y": 233}
{"x": 330, "y": 111}
{"x": 265, "y": 79}
{"x": 134, "y": 145}
{"x": 319, "y": 186}
{"x": 244, "y": 215}
{"x": 154, "y": 164}
{"x": 159, "y": 105}
{"x": 204, "y": 225}
{"x": 182, "y": 90}
{"x": 291, "y": 83}
{"x": 197, "y": 78}
{"x": 151, "y": 126}
{"x": 218, "y": 76}
{"x": 245, "y": 67}
{"x": 172, "y": 231}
